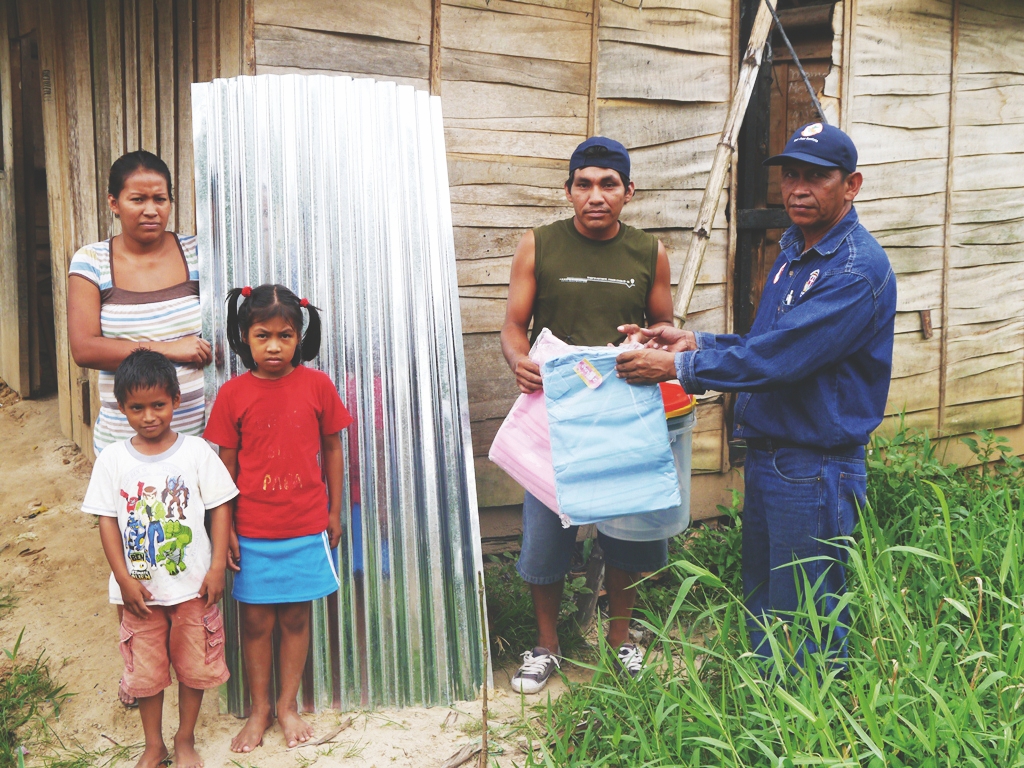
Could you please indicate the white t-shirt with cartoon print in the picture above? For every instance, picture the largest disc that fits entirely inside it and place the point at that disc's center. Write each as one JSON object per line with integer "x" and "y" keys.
{"x": 160, "y": 503}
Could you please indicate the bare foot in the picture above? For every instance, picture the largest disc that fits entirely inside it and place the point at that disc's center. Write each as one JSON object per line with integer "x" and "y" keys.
{"x": 295, "y": 729}
{"x": 126, "y": 699}
{"x": 185, "y": 755}
{"x": 152, "y": 756}
{"x": 251, "y": 735}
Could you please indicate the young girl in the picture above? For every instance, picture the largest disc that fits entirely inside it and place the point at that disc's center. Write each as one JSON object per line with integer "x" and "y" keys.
{"x": 277, "y": 427}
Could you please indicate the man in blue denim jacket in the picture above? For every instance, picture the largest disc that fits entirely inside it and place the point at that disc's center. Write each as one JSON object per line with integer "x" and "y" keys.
{"x": 813, "y": 377}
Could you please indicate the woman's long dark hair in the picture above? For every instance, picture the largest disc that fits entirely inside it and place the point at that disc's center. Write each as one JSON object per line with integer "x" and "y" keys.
{"x": 263, "y": 303}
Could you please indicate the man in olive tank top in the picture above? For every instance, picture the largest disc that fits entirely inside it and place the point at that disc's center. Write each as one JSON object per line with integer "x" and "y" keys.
{"x": 583, "y": 278}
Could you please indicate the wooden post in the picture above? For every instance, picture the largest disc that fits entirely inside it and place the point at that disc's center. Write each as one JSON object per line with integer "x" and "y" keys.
{"x": 435, "y": 48}
{"x": 749, "y": 68}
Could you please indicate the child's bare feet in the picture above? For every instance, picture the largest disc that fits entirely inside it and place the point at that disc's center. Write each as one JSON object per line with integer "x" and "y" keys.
{"x": 296, "y": 730}
{"x": 185, "y": 755}
{"x": 152, "y": 757}
{"x": 251, "y": 735}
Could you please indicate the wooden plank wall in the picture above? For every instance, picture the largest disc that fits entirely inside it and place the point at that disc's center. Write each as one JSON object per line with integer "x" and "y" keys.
{"x": 984, "y": 352}
{"x": 116, "y": 77}
{"x": 899, "y": 120}
{"x": 936, "y": 88}
{"x": 664, "y": 80}
{"x": 520, "y": 90}
{"x": 14, "y": 363}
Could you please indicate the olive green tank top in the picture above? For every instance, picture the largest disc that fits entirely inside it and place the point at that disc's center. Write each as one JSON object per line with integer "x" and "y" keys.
{"x": 587, "y": 288}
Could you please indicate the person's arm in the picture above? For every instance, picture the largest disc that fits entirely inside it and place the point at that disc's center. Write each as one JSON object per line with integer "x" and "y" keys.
{"x": 522, "y": 290}
{"x": 133, "y": 594}
{"x": 836, "y": 321}
{"x": 659, "y": 298}
{"x": 334, "y": 470}
{"x": 220, "y": 532}
{"x": 91, "y": 349}
{"x": 229, "y": 456}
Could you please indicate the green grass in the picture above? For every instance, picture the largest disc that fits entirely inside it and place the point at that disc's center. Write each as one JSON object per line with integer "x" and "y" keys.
{"x": 936, "y": 668}
{"x": 512, "y": 627}
{"x": 27, "y": 696}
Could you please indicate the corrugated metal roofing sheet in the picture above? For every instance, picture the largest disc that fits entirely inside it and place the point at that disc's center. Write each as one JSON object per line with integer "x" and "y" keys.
{"x": 338, "y": 188}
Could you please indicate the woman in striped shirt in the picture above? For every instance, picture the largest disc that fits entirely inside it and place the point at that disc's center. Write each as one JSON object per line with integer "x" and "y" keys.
{"x": 139, "y": 289}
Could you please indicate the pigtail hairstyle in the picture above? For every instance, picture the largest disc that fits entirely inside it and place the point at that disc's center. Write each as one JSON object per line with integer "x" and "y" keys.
{"x": 235, "y": 331}
{"x": 310, "y": 346}
{"x": 262, "y": 303}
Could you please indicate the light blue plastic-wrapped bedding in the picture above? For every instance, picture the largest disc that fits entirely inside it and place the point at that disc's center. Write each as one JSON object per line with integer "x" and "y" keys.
{"x": 609, "y": 440}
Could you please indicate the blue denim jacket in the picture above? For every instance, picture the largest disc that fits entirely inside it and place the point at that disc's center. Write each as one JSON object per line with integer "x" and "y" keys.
{"x": 815, "y": 367}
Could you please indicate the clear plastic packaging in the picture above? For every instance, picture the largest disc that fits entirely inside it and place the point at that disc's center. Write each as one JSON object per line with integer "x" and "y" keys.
{"x": 609, "y": 440}
{"x": 522, "y": 446}
{"x": 663, "y": 523}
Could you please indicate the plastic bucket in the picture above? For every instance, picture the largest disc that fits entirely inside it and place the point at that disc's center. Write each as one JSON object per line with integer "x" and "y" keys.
{"x": 662, "y": 523}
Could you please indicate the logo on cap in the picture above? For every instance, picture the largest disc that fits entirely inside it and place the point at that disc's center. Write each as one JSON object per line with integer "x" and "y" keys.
{"x": 812, "y": 130}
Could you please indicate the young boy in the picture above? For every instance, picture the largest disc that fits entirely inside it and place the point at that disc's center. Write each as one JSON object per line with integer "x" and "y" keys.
{"x": 151, "y": 494}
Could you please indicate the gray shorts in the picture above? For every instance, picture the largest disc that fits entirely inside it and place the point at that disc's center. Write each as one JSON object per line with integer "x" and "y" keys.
{"x": 548, "y": 547}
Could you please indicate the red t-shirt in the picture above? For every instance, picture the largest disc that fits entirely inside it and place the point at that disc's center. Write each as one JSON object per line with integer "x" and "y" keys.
{"x": 276, "y": 426}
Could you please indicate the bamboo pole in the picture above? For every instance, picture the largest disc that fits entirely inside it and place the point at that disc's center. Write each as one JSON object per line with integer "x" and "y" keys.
{"x": 749, "y": 68}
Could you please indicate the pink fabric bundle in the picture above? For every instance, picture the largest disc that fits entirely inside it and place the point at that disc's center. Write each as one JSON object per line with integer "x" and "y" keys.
{"x": 522, "y": 446}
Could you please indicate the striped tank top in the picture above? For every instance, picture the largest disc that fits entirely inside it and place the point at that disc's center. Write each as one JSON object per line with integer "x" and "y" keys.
{"x": 165, "y": 315}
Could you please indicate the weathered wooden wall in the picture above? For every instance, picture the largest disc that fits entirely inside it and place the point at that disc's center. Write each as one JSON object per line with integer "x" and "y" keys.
{"x": 664, "y": 79}
{"x": 935, "y": 113}
{"x": 522, "y": 84}
{"x": 14, "y": 363}
{"x": 116, "y": 77}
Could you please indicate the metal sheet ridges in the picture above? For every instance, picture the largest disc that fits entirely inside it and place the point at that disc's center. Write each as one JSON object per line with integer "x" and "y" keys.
{"x": 338, "y": 188}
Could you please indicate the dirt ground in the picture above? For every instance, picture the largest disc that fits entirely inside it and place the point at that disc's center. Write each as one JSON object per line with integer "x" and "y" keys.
{"x": 50, "y": 553}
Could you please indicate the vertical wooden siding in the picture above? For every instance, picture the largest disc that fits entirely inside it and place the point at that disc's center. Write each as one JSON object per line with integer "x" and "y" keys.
{"x": 984, "y": 353}
{"x": 517, "y": 82}
{"x": 664, "y": 81}
{"x": 943, "y": 198}
{"x": 899, "y": 120}
{"x": 117, "y": 77}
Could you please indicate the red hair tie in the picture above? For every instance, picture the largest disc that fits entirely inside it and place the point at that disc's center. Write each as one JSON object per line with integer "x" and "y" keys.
{"x": 304, "y": 302}
{"x": 247, "y": 291}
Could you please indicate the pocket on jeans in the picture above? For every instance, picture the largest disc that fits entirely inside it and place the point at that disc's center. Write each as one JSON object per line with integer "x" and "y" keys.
{"x": 213, "y": 623}
{"x": 127, "y": 636}
{"x": 797, "y": 465}
{"x": 852, "y": 498}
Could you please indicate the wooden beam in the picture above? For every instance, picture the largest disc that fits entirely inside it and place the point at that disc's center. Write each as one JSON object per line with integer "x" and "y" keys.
{"x": 749, "y": 69}
{"x": 435, "y": 48}
{"x": 948, "y": 213}
{"x": 595, "y": 30}
{"x": 52, "y": 83}
{"x": 248, "y": 37}
{"x": 845, "y": 88}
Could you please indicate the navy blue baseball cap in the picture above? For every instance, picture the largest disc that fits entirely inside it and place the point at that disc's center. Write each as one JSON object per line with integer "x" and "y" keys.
{"x": 819, "y": 144}
{"x": 600, "y": 152}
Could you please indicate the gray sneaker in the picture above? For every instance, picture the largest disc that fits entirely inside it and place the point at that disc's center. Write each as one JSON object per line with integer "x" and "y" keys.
{"x": 631, "y": 660}
{"x": 538, "y": 665}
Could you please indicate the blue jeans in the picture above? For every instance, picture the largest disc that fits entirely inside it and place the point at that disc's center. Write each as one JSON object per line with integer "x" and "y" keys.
{"x": 548, "y": 547}
{"x": 796, "y": 501}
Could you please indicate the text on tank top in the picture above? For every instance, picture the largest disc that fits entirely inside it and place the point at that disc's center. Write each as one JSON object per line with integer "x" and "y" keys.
{"x": 587, "y": 288}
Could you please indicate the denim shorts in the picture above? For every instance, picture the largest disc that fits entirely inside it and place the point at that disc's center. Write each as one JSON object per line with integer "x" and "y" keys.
{"x": 548, "y": 547}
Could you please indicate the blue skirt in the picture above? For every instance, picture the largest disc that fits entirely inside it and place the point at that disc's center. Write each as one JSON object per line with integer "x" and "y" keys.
{"x": 286, "y": 570}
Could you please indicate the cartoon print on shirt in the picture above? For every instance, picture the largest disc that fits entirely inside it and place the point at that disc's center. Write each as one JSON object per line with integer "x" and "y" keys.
{"x": 156, "y": 513}
{"x": 152, "y": 535}
{"x": 135, "y": 538}
{"x": 172, "y": 552}
{"x": 177, "y": 492}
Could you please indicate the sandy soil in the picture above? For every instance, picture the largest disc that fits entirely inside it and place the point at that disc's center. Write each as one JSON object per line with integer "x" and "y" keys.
{"x": 50, "y": 552}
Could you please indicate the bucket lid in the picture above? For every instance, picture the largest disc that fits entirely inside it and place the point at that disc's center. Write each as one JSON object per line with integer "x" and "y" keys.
{"x": 677, "y": 401}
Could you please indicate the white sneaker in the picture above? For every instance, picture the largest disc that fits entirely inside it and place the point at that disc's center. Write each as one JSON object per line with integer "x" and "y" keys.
{"x": 631, "y": 660}
{"x": 538, "y": 665}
